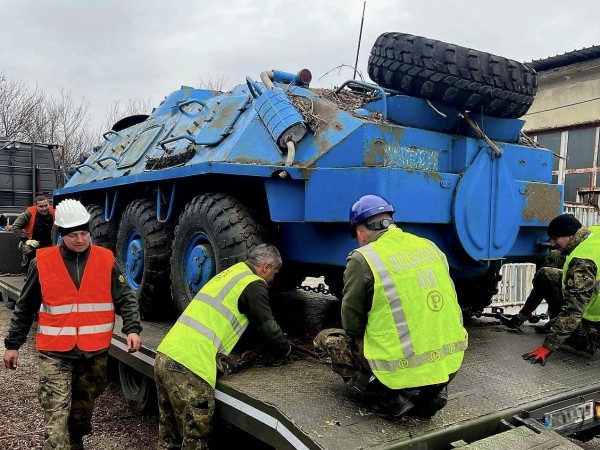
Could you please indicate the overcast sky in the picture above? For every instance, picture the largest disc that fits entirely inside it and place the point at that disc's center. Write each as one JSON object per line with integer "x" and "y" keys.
{"x": 109, "y": 50}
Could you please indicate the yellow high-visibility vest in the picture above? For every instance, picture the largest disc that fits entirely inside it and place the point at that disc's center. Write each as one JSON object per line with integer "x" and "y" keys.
{"x": 211, "y": 323}
{"x": 588, "y": 249}
{"x": 414, "y": 335}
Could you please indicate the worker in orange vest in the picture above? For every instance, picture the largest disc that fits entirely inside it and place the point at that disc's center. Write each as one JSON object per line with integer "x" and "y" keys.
{"x": 75, "y": 288}
{"x": 34, "y": 228}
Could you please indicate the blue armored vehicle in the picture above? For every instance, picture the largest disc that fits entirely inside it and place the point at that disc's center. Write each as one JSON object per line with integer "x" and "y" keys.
{"x": 185, "y": 192}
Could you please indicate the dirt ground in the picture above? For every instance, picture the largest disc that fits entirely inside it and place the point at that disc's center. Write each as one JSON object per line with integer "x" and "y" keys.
{"x": 115, "y": 425}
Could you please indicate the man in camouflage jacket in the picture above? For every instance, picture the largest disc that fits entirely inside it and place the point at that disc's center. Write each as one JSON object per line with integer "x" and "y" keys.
{"x": 579, "y": 286}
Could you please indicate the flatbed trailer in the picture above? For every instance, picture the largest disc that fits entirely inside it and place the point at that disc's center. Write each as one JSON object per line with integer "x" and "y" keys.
{"x": 496, "y": 401}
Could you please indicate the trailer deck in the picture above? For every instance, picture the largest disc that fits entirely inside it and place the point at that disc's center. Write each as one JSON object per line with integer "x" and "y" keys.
{"x": 305, "y": 405}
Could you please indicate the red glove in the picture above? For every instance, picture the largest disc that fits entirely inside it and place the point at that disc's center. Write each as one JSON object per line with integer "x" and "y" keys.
{"x": 539, "y": 354}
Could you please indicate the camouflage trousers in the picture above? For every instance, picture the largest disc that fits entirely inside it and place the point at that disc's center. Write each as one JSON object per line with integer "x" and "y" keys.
{"x": 547, "y": 285}
{"x": 345, "y": 356}
{"x": 186, "y": 405}
{"x": 341, "y": 353}
{"x": 28, "y": 253}
{"x": 67, "y": 391}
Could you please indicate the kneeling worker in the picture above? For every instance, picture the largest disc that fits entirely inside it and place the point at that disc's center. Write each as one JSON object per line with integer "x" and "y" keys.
{"x": 578, "y": 324}
{"x": 211, "y": 325}
{"x": 403, "y": 338}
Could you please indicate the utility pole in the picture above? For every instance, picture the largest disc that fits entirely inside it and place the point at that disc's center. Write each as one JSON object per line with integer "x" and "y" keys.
{"x": 362, "y": 21}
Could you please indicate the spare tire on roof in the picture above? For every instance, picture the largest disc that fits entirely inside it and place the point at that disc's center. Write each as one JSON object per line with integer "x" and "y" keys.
{"x": 458, "y": 76}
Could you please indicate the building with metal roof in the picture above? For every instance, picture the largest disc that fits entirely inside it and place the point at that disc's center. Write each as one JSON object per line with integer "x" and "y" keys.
{"x": 565, "y": 117}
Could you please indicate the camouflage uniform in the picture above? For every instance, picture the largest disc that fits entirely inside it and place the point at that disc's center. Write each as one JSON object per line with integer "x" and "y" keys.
{"x": 341, "y": 353}
{"x": 569, "y": 328}
{"x": 59, "y": 372}
{"x": 184, "y": 400}
{"x": 67, "y": 392}
{"x": 343, "y": 349}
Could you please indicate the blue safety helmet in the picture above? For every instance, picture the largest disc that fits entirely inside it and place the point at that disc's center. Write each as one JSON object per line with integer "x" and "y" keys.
{"x": 365, "y": 207}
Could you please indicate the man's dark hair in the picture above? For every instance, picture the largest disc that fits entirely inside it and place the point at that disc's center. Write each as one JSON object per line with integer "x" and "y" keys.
{"x": 40, "y": 198}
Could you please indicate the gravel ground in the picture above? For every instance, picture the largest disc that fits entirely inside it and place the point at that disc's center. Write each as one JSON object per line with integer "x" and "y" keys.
{"x": 115, "y": 425}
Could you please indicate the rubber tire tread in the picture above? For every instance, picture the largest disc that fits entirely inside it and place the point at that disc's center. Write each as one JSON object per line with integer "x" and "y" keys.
{"x": 474, "y": 294}
{"x": 103, "y": 233}
{"x": 458, "y": 76}
{"x": 154, "y": 296}
{"x": 232, "y": 228}
{"x": 138, "y": 389}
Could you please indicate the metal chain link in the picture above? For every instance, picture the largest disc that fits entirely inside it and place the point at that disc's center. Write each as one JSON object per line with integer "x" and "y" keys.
{"x": 320, "y": 289}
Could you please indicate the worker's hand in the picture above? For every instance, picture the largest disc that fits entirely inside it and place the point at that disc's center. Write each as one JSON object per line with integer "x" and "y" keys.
{"x": 539, "y": 354}
{"x": 134, "y": 342}
{"x": 11, "y": 357}
{"x": 513, "y": 322}
{"x": 32, "y": 243}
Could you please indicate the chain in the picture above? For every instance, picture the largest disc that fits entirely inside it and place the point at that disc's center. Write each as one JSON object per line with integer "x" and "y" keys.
{"x": 320, "y": 289}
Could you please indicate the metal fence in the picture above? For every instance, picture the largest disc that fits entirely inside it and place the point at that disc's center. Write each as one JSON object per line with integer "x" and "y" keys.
{"x": 515, "y": 285}
{"x": 586, "y": 214}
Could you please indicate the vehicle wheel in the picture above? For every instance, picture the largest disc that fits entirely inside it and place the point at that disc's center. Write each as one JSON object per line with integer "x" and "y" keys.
{"x": 288, "y": 278}
{"x": 11, "y": 255}
{"x": 138, "y": 389}
{"x": 214, "y": 231}
{"x": 335, "y": 282}
{"x": 458, "y": 76}
{"x": 476, "y": 293}
{"x": 103, "y": 233}
{"x": 143, "y": 250}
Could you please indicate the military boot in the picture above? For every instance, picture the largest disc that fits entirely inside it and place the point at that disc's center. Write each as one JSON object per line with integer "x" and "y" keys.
{"x": 543, "y": 328}
{"x": 392, "y": 404}
{"x": 76, "y": 442}
{"x": 430, "y": 400}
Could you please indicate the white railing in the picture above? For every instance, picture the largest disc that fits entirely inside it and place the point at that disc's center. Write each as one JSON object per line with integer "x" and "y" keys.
{"x": 515, "y": 285}
{"x": 586, "y": 214}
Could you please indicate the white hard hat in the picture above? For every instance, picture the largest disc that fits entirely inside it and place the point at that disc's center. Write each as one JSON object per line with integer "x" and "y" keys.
{"x": 71, "y": 213}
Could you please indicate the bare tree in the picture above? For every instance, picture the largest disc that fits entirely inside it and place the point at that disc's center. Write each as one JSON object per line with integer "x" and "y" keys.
{"x": 18, "y": 104}
{"x": 70, "y": 124}
{"x": 212, "y": 82}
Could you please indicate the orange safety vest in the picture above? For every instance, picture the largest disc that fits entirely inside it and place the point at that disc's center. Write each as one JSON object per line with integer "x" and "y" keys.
{"x": 28, "y": 230}
{"x": 68, "y": 317}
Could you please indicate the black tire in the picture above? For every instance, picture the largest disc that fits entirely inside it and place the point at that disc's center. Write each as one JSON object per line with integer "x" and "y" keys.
{"x": 458, "y": 76}
{"x": 288, "y": 278}
{"x": 222, "y": 225}
{"x": 10, "y": 263}
{"x": 150, "y": 281}
{"x": 138, "y": 389}
{"x": 103, "y": 233}
{"x": 474, "y": 294}
{"x": 334, "y": 279}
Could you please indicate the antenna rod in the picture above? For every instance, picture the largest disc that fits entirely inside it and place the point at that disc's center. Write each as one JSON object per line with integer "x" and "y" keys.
{"x": 359, "y": 39}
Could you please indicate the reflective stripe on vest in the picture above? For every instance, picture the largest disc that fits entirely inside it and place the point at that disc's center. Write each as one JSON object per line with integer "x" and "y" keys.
{"x": 89, "y": 307}
{"x": 412, "y": 273}
{"x": 588, "y": 249}
{"x": 211, "y": 323}
{"x": 28, "y": 230}
{"x": 69, "y": 317}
